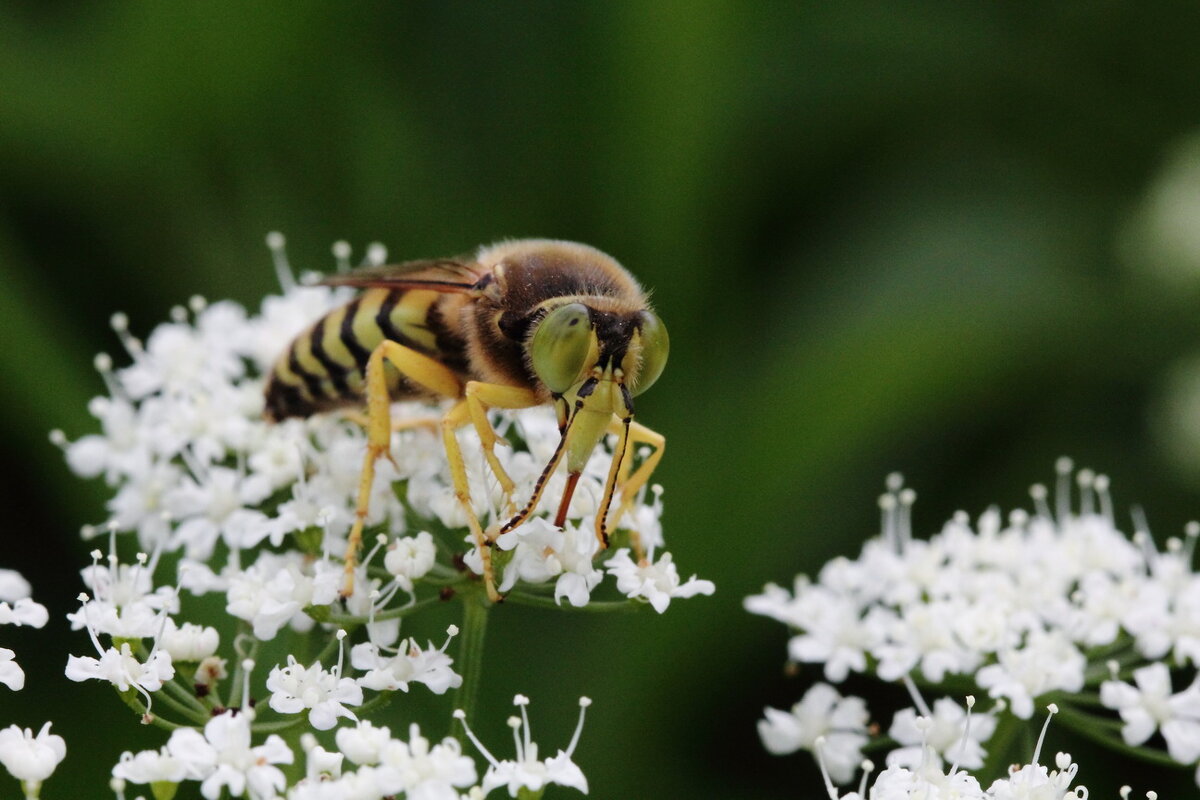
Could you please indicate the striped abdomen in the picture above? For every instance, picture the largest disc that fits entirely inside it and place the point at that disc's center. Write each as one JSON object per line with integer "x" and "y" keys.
{"x": 324, "y": 366}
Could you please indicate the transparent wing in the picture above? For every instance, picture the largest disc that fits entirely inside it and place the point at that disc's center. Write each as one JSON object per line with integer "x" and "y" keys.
{"x": 438, "y": 274}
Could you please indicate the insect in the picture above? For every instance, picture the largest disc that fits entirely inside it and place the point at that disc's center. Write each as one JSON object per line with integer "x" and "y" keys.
{"x": 522, "y": 323}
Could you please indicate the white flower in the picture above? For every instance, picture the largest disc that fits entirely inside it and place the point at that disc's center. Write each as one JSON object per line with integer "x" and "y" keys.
{"x": 837, "y": 632}
{"x": 1047, "y": 661}
{"x": 217, "y": 509}
{"x": 222, "y": 757}
{"x": 929, "y": 783}
{"x": 526, "y": 771}
{"x": 319, "y": 763}
{"x": 657, "y": 582}
{"x": 13, "y": 586}
{"x": 423, "y": 772}
{"x": 11, "y": 674}
{"x": 122, "y": 669}
{"x": 28, "y": 758}
{"x": 270, "y": 594}
{"x": 150, "y": 766}
{"x": 542, "y": 551}
{"x": 24, "y": 612}
{"x": 944, "y": 732}
{"x": 1151, "y": 706}
{"x": 410, "y": 558}
{"x": 821, "y": 714}
{"x": 410, "y": 664}
{"x": 189, "y": 642}
{"x": 326, "y": 694}
{"x": 1035, "y": 782}
{"x": 363, "y": 743}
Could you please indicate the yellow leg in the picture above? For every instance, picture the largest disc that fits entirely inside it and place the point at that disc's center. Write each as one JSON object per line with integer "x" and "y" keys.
{"x": 630, "y": 484}
{"x": 418, "y": 368}
{"x": 458, "y": 416}
{"x": 481, "y": 397}
{"x": 432, "y": 423}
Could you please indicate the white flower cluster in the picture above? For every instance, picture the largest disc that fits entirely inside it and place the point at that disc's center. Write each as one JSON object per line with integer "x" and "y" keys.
{"x": 219, "y": 502}
{"x": 28, "y": 758}
{"x": 1050, "y": 605}
{"x": 17, "y": 608}
{"x": 368, "y": 763}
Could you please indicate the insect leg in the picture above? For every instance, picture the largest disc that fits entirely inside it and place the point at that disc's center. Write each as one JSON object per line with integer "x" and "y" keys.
{"x": 630, "y": 484}
{"x": 418, "y": 368}
{"x": 411, "y": 423}
{"x": 458, "y": 416}
{"x": 481, "y": 397}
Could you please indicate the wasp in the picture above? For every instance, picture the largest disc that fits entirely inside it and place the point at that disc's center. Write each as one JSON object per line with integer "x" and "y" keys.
{"x": 523, "y": 323}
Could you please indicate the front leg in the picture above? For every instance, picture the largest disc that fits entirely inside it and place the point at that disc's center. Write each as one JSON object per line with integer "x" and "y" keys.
{"x": 626, "y": 483}
{"x": 482, "y": 396}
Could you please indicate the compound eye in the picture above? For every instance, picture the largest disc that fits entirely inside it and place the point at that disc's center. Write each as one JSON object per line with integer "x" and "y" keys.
{"x": 559, "y": 346}
{"x": 655, "y": 346}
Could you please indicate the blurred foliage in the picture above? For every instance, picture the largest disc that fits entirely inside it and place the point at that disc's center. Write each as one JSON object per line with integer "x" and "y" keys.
{"x": 882, "y": 235}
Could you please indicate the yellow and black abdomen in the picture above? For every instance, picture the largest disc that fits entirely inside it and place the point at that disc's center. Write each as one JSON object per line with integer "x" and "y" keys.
{"x": 324, "y": 366}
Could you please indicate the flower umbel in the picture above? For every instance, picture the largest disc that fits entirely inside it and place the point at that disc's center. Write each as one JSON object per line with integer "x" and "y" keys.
{"x": 1027, "y": 609}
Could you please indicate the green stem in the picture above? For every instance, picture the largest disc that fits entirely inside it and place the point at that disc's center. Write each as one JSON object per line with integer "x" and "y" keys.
{"x": 470, "y": 656}
{"x": 198, "y": 716}
{"x": 133, "y": 700}
{"x": 595, "y": 607}
{"x": 391, "y": 613}
{"x": 1090, "y": 727}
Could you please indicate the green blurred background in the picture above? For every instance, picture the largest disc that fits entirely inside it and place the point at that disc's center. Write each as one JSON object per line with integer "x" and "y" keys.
{"x": 885, "y": 236}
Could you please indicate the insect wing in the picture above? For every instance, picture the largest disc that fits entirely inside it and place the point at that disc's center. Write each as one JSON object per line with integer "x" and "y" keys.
{"x": 438, "y": 274}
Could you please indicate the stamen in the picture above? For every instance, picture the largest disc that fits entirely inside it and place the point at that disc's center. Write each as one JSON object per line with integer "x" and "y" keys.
{"x": 341, "y": 637}
{"x": 907, "y": 498}
{"x": 451, "y": 632}
{"x": 104, "y": 365}
{"x": 197, "y": 303}
{"x": 1062, "y": 494}
{"x": 283, "y": 270}
{"x": 584, "y": 702}
{"x": 915, "y": 694}
{"x": 1141, "y": 538}
{"x": 1042, "y": 508}
{"x": 1190, "y": 532}
{"x": 341, "y": 253}
{"x": 1106, "y": 506}
{"x": 461, "y": 716}
{"x": 178, "y": 314}
{"x": 247, "y": 668}
{"x": 120, "y": 323}
{"x": 522, "y": 701}
{"x": 887, "y": 507}
{"x": 819, "y": 752}
{"x": 966, "y": 737}
{"x": 87, "y": 621}
{"x": 1037, "y": 751}
{"x": 376, "y": 254}
{"x": 867, "y": 766}
{"x": 1085, "y": 479}
{"x": 515, "y": 724}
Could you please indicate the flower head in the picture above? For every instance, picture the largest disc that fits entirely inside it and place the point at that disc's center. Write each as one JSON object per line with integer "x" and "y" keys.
{"x": 527, "y": 771}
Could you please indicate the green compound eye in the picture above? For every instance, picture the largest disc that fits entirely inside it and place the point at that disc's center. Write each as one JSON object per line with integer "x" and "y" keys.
{"x": 560, "y": 344}
{"x": 655, "y": 346}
